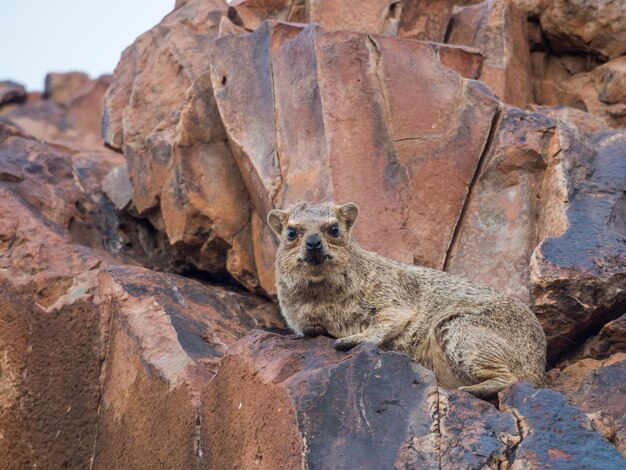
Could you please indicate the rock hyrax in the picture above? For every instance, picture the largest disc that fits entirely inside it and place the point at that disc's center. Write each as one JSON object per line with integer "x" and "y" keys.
{"x": 471, "y": 336}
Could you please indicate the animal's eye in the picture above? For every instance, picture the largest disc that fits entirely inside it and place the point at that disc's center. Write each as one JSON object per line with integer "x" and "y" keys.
{"x": 292, "y": 233}
{"x": 333, "y": 230}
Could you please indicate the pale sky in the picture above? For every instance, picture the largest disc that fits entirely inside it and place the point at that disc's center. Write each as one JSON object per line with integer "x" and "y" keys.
{"x": 40, "y": 36}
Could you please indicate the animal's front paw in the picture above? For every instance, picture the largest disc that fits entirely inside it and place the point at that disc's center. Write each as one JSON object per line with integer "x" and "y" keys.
{"x": 347, "y": 343}
{"x": 314, "y": 330}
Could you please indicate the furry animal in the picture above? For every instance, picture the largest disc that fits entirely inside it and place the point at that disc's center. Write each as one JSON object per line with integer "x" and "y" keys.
{"x": 471, "y": 336}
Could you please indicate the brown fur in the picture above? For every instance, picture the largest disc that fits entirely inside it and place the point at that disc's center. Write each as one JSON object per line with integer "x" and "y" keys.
{"x": 470, "y": 335}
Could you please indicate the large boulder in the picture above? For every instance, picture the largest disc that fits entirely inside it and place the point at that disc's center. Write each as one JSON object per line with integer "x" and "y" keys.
{"x": 597, "y": 26}
{"x": 102, "y": 362}
{"x": 498, "y": 29}
{"x": 598, "y": 387}
{"x": 295, "y": 403}
{"x": 413, "y": 113}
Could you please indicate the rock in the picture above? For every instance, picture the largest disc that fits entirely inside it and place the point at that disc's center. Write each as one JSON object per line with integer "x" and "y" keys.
{"x": 179, "y": 164}
{"x": 279, "y": 58}
{"x": 116, "y": 185}
{"x": 249, "y": 14}
{"x": 425, "y": 19}
{"x": 75, "y": 123}
{"x": 11, "y": 92}
{"x": 594, "y": 26}
{"x": 500, "y": 215}
{"x": 599, "y": 388}
{"x": 90, "y": 348}
{"x": 577, "y": 271}
{"x": 297, "y": 403}
{"x": 554, "y": 433}
{"x": 611, "y": 339}
{"x": 466, "y": 61}
{"x": 375, "y": 16}
{"x": 498, "y": 30}
{"x": 597, "y": 90}
{"x": 60, "y": 86}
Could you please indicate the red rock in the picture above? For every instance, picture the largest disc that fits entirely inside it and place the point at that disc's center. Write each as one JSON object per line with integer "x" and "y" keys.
{"x": 249, "y": 14}
{"x": 498, "y": 30}
{"x": 60, "y": 86}
{"x": 322, "y": 167}
{"x": 595, "y": 26}
{"x": 501, "y": 213}
{"x": 425, "y": 19}
{"x": 610, "y": 340}
{"x": 597, "y": 90}
{"x": 102, "y": 363}
{"x": 466, "y": 61}
{"x": 375, "y": 16}
{"x": 75, "y": 123}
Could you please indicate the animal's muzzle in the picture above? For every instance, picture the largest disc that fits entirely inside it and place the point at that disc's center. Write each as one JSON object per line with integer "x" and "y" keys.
{"x": 315, "y": 251}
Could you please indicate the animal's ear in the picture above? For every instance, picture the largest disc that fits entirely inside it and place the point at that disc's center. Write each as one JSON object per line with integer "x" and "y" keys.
{"x": 349, "y": 212}
{"x": 277, "y": 220}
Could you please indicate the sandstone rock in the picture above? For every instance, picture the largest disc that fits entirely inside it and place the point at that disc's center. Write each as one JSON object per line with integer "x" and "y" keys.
{"x": 179, "y": 164}
{"x": 116, "y": 185}
{"x": 395, "y": 131}
{"x": 599, "y": 388}
{"x": 498, "y": 30}
{"x": 60, "y": 86}
{"x": 554, "y": 433}
{"x": 11, "y": 92}
{"x": 595, "y": 26}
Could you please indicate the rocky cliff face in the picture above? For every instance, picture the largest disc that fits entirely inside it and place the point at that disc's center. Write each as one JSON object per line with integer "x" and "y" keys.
{"x": 482, "y": 138}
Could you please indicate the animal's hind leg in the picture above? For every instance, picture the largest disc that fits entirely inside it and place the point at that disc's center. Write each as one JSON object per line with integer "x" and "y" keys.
{"x": 490, "y": 387}
{"x": 480, "y": 357}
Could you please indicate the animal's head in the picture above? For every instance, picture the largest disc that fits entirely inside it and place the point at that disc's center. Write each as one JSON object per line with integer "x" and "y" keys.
{"x": 314, "y": 238}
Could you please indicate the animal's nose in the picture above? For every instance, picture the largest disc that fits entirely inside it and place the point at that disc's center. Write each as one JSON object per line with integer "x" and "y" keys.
{"x": 314, "y": 242}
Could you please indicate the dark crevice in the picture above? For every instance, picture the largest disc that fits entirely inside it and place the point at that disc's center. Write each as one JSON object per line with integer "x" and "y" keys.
{"x": 495, "y": 124}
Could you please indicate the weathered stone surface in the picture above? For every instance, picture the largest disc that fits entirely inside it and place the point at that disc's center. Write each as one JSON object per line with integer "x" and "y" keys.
{"x": 598, "y": 26}
{"x": 102, "y": 363}
{"x": 180, "y": 166}
{"x": 305, "y": 405}
{"x": 73, "y": 121}
{"x": 425, "y": 19}
{"x": 611, "y": 339}
{"x": 249, "y": 14}
{"x": 405, "y": 144}
{"x": 577, "y": 271}
{"x": 11, "y": 92}
{"x": 498, "y": 30}
{"x": 554, "y": 433}
{"x": 599, "y": 389}
{"x": 501, "y": 215}
{"x": 466, "y": 61}
{"x": 575, "y": 82}
{"x": 60, "y": 86}
{"x": 375, "y": 16}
